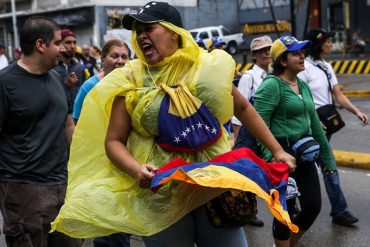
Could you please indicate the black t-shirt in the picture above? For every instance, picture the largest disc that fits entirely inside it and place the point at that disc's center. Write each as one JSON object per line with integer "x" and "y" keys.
{"x": 64, "y": 71}
{"x": 33, "y": 111}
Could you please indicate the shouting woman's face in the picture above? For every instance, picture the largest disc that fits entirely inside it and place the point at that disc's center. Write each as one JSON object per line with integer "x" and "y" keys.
{"x": 155, "y": 41}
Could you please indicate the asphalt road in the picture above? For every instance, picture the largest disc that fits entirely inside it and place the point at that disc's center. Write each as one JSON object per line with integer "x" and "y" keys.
{"x": 323, "y": 233}
{"x": 354, "y": 136}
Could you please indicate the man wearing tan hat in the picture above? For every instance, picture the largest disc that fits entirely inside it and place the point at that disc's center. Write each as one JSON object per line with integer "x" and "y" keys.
{"x": 251, "y": 79}
{"x": 248, "y": 85}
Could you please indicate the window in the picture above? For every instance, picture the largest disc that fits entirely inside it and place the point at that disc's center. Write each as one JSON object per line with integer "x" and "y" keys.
{"x": 257, "y": 4}
{"x": 225, "y": 31}
{"x": 203, "y": 35}
{"x": 214, "y": 32}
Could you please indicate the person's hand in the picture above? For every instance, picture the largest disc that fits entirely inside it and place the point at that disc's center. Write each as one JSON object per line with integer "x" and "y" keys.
{"x": 144, "y": 175}
{"x": 71, "y": 79}
{"x": 286, "y": 158}
{"x": 363, "y": 117}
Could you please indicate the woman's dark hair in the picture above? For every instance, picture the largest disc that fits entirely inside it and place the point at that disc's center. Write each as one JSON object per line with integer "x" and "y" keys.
{"x": 114, "y": 42}
{"x": 277, "y": 67}
{"x": 315, "y": 49}
{"x": 34, "y": 28}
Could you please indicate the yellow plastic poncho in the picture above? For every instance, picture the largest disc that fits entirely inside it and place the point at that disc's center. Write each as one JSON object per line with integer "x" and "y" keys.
{"x": 101, "y": 199}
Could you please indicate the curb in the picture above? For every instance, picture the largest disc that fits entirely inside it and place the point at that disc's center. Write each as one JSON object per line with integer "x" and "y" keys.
{"x": 352, "y": 159}
{"x": 356, "y": 93}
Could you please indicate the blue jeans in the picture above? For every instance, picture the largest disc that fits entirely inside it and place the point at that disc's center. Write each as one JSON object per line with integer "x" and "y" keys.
{"x": 332, "y": 185}
{"x": 195, "y": 228}
{"x": 113, "y": 240}
{"x": 246, "y": 139}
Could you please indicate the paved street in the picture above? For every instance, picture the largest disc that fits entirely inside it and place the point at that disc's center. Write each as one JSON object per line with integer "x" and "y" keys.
{"x": 354, "y": 136}
{"x": 355, "y": 183}
{"x": 323, "y": 232}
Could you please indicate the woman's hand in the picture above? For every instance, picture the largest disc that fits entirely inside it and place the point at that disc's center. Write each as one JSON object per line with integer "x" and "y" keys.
{"x": 119, "y": 129}
{"x": 286, "y": 158}
{"x": 144, "y": 175}
{"x": 363, "y": 117}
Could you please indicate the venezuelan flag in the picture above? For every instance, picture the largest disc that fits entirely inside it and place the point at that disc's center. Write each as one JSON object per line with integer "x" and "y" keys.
{"x": 239, "y": 169}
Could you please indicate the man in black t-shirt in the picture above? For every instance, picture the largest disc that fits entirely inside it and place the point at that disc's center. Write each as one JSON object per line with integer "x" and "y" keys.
{"x": 33, "y": 141}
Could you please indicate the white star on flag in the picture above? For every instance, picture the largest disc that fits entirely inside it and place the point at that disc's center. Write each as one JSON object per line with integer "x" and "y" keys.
{"x": 154, "y": 3}
{"x": 184, "y": 134}
{"x": 214, "y": 131}
{"x": 187, "y": 129}
{"x": 147, "y": 6}
{"x": 177, "y": 139}
{"x": 193, "y": 127}
{"x": 199, "y": 125}
{"x": 207, "y": 128}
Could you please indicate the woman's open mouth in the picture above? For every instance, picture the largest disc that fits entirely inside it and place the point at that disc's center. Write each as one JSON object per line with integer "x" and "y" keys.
{"x": 148, "y": 49}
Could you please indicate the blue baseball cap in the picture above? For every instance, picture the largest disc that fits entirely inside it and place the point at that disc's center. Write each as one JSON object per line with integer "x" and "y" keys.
{"x": 199, "y": 41}
{"x": 287, "y": 43}
{"x": 216, "y": 41}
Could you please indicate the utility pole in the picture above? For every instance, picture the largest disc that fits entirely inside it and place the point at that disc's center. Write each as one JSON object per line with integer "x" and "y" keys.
{"x": 274, "y": 19}
{"x": 292, "y": 17}
{"x": 347, "y": 39}
{"x": 15, "y": 30}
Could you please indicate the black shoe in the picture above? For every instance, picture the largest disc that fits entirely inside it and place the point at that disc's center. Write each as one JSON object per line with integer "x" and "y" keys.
{"x": 345, "y": 219}
{"x": 255, "y": 222}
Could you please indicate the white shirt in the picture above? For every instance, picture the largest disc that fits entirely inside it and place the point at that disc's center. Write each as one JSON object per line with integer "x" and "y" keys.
{"x": 318, "y": 81}
{"x": 3, "y": 61}
{"x": 248, "y": 85}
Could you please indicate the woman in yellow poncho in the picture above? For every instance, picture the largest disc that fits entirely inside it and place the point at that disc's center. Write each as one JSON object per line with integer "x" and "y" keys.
{"x": 122, "y": 110}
